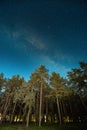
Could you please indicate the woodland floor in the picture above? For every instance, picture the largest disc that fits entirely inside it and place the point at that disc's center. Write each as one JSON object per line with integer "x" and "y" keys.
{"x": 45, "y": 127}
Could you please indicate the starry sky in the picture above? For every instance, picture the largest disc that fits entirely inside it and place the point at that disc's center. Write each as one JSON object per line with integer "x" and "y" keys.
{"x": 36, "y": 32}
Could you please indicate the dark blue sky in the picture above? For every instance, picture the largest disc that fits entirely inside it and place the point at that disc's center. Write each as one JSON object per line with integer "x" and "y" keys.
{"x": 35, "y": 32}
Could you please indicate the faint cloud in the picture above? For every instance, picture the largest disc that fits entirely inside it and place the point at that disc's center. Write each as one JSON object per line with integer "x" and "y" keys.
{"x": 15, "y": 34}
{"x": 12, "y": 34}
{"x": 36, "y": 42}
{"x": 49, "y": 61}
{"x": 59, "y": 54}
{"x": 32, "y": 38}
{"x": 55, "y": 66}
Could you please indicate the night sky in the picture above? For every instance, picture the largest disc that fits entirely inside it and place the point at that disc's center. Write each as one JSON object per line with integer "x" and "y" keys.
{"x": 36, "y": 32}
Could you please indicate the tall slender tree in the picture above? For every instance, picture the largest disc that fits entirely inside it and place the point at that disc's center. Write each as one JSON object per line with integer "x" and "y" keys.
{"x": 42, "y": 76}
{"x": 58, "y": 89}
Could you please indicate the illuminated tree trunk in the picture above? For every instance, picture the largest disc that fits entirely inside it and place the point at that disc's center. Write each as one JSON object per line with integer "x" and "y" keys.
{"x": 28, "y": 115}
{"x": 59, "y": 113}
{"x": 46, "y": 109}
{"x": 6, "y": 108}
{"x": 40, "y": 109}
{"x": 37, "y": 108}
{"x": 12, "y": 115}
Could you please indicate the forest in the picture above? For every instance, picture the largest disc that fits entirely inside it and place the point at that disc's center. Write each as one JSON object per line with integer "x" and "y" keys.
{"x": 45, "y": 98}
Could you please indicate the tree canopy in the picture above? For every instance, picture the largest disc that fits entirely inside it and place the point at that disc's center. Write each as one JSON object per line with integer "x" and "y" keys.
{"x": 45, "y": 97}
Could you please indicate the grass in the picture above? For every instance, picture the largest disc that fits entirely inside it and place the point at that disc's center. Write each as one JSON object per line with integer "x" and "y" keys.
{"x": 45, "y": 127}
{"x": 7, "y": 128}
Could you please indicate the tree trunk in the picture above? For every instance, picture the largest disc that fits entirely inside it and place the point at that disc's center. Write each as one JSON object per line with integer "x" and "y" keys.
{"x": 12, "y": 115}
{"x": 6, "y": 108}
{"x": 59, "y": 113}
{"x": 28, "y": 115}
{"x": 61, "y": 109}
{"x": 40, "y": 110}
{"x": 46, "y": 109}
{"x": 37, "y": 108}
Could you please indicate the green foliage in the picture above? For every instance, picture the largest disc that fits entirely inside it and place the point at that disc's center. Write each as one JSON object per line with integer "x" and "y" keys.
{"x": 78, "y": 79}
{"x": 57, "y": 84}
{"x": 2, "y": 82}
